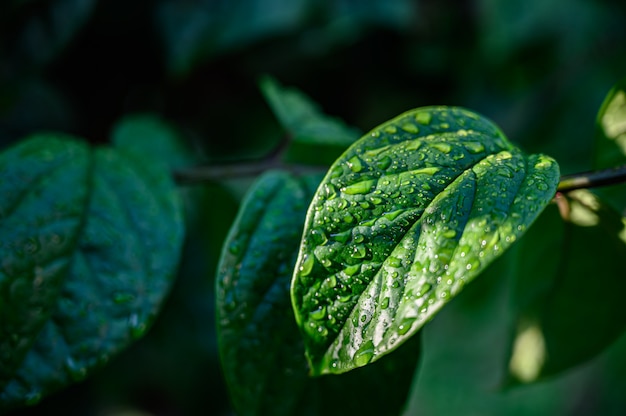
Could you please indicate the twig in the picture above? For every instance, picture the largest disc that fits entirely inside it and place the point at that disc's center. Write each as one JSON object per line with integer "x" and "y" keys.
{"x": 592, "y": 179}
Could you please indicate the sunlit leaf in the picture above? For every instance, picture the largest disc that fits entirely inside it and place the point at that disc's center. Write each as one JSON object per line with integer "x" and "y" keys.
{"x": 610, "y": 143}
{"x": 403, "y": 220}
{"x": 261, "y": 349}
{"x": 91, "y": 241}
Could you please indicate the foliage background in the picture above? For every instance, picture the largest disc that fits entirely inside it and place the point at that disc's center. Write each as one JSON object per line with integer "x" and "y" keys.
{"x": 538, "y": 68}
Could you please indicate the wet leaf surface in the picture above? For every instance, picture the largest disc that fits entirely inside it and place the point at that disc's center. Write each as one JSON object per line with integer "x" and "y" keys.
{"x": 403, "y": 220}
{"x": 104, "y": 260}
{"x": 261, "y": 348}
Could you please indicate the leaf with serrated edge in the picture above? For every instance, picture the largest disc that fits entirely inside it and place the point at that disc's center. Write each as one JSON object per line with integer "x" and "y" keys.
{"x": 408, "y": 215}
{"x": 128, "y": 244}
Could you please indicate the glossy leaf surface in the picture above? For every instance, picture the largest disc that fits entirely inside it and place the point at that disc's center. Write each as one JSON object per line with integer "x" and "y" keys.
{"x": 261, "y": 348}
{"x": 403, "y": 220}
{"x": 109, "y": 282}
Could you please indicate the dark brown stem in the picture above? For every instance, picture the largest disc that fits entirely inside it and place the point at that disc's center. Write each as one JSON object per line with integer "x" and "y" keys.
{"x": 592, "y": 179}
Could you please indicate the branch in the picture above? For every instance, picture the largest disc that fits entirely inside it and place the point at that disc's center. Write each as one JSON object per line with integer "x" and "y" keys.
{"x": 592, "y": 179}
{"x": 238, "y": 170}
{"x": 272, "y": 160}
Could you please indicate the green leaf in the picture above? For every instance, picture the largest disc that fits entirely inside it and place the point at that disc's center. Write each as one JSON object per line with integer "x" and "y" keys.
{"x": 148, "y": 136}
{"x": 195, "y": 30}
{"x": 610, "y": 143}
{"x": 403, "y": 220}
{"x": 464, "y": 347}
{"x": 39, "y": 226}
{"x": 571, "y": 297}
{"x": 105, "y": 235}
{"x": 262, "y": 352}
{"x": 303, "y": 119}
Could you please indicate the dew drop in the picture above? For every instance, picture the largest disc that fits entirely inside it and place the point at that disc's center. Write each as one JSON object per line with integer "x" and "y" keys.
{"x": 318, "y": 314}
{"x": 385, "y": 303}
{"x": 394, "y": 262}
{"x": 307, "y": 265}
{"x": 359, "y": 251}
{"x": 362, "y": 187}
{"x": 424, "y": 289}
{"x": 423, "y": 118}
{"x": 449, "y": 233}
{"x": 384, "y": 163}
{"x": 234, "y": 248}
{"x": 391, "y": 129}
{"x": 329, "y": 191}
{"x": 354, "y": 163}
{"x": 364, "y": 354}
{"x": 410, "y": 128}
{"x": 442, "y": 147}
{"x": 474, "y": 147}
{"x": 405, "y": 326}
{"x": 137, "y": 327}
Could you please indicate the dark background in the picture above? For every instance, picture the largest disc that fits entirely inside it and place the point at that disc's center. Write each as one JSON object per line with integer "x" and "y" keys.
{"x": 539, "y": 68}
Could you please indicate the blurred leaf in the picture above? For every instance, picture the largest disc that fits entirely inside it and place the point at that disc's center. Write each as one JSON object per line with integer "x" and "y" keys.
{"x": 303, "y": 120}
{"x": 196, "y": 29}
{"x": 48, "y": 31}
{"x": 508, "y": 27}
{"x": 90, "y": 288}
{"x": 396, "y": 14}
{"x": 405, "y": 218}
{"x": 610, "y": 143}
{"x": 40, "y": 226}
{"x": 148, "y": 136}
{"x": 260, "y": 345}
{"x": 464, "y": 348}
{"x": 611, "y": 128}
{"x": 575, "y": 315}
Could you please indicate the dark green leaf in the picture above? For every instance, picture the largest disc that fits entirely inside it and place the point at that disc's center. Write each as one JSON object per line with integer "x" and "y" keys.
{"x": 403, "y": 220}
{"x": 464, "y": 347}
{"x": 195, "y": 30}
{"x": 149, "y": 137}
{"x": 39, "y": 226}
{"x": 107, "y": 275}
{"x": 570, "y": 298}
{"x": 302, "y": 118}
{"x": 261, "y": 348}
